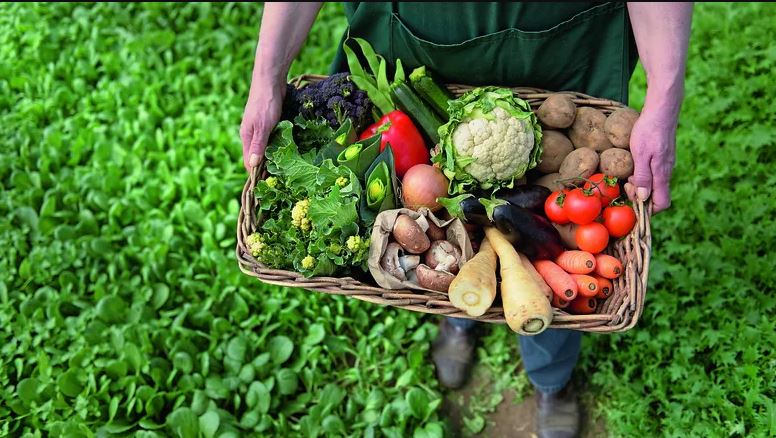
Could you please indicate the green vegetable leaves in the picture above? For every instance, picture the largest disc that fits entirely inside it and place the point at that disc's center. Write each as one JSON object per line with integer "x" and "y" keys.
{"x": 375, "y": 81}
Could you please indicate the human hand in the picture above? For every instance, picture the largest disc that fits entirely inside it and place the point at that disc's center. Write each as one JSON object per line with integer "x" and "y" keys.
{"x": 653, "y": 145}
{"x": 262, "y": 112}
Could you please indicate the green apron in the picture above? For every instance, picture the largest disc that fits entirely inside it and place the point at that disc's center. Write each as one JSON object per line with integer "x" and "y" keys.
{"x": 584, "y": 47}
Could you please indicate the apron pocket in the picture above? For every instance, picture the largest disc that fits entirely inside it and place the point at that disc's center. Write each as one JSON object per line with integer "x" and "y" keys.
{"x": 555, "y": 58}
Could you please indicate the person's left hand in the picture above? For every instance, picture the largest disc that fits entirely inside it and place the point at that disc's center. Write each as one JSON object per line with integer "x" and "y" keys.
{"x": 653, "y": 145}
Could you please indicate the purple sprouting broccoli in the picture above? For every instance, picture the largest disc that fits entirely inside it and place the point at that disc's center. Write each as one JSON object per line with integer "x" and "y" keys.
{"x": 334, "y": 99}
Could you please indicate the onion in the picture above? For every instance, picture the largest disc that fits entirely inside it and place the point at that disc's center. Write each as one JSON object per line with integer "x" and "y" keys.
{"x": 422, "y": 185}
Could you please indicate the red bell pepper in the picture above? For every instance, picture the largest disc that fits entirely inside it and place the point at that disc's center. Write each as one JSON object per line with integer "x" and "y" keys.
{"x": 406, "y": 141}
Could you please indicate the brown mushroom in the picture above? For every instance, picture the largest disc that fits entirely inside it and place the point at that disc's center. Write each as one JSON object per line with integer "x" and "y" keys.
{"x": 443, "y": 256}
{"x": 434, "y": 232}
{"x": 390, "y": 261}
{"x": 410, "y": 235}
{"x": 433, "y": 279}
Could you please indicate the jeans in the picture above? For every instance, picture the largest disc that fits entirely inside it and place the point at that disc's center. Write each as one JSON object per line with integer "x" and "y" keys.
{"x": 548, "y": 358}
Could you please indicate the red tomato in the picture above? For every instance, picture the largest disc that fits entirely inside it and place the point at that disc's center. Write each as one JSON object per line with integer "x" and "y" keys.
{"x": 605, "y": 188}
{"x": 619, "y": 220}
{"x": 592, "y": 237}
{"x": 581, "y": 207}
{"x": 553, "y": 207}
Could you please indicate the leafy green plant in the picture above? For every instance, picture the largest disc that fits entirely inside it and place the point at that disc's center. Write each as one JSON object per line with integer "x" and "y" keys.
{"x": 122, "y": 311}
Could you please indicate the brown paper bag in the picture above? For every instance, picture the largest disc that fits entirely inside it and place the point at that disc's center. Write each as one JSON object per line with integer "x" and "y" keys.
{"x": 381, "y": 236}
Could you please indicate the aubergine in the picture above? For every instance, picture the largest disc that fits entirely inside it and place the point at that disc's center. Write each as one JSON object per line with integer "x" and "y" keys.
{"x": 467, "y": 208}
{"x": 530, "y": 196}
{"x": 532, "y": 234}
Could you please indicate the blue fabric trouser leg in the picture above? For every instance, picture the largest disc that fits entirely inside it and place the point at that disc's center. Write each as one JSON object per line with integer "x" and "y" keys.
{"x": 548, "y": 358}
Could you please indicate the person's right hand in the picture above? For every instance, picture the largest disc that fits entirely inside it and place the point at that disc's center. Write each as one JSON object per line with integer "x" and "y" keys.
{"x": 262, "y": 112}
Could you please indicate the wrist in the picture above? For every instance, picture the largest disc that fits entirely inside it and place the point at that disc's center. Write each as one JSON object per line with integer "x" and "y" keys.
{"x": 664, "y": 98}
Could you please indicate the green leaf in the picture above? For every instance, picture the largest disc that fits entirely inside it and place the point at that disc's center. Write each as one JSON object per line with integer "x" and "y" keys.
{"x": 287, "y": 381}
{"x": 27, "y": 390}
{"x": 258, "y": 396}
{"x": 431, "y": 430}
{"x": 315, "y": 334}
{"x": 236, "y": 349}
{"x": 333, "y": 425}
{"x": 111, "y": 309}
{"x": 208, "y": 423}
{"x": 355, "y": 68}
{"x": 280, "y": 349}
{"x": 417, "y": 400}
{"x": 71, "y": 382}
{"x": 474, "y": 424}
{"x": 183, "y": 422}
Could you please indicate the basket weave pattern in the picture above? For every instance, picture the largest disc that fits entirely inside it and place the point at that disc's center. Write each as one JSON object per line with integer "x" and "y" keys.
{"x": 618, "y": 313}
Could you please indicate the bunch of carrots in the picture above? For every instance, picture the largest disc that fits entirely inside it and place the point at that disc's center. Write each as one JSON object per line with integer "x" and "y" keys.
{"x": 576, "y": 278}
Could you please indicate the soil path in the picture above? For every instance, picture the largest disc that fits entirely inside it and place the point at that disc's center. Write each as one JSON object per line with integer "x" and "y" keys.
{"x": 509, "y": 419}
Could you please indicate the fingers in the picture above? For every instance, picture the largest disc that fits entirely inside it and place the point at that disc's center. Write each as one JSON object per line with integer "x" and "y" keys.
{"x": 257, "y": 146}
{"x": 641, "y": 180}
{"x": 661, "y": 184}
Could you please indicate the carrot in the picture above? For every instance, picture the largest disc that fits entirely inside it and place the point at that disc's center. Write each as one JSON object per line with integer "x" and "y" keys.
{"x": 526, "y": 309}
{"x": 583, "y": 305}
{"x": 605, "y": 287}
{"x": 607, "y": 266}
{"x": 576, "y": 262}
{"x": 560, "y": 281}
{"x": 586, "y": 285}
{"x": 474, "y": 288}
{"x": 538, "y": 278}
{"x": 560, "y": 303}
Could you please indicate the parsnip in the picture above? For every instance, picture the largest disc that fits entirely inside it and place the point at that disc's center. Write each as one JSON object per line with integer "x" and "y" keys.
{"x": 526, "y": 308}
{"x": 474, "y": 288}
{"x": 546, "y": 289}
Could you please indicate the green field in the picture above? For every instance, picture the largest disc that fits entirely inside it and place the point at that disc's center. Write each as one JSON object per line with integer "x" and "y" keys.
{"x": 122, "y": 310}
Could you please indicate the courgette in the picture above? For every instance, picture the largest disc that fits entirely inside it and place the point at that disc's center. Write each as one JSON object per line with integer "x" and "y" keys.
{"x": 418, "y": 110}
{"x": 436, "y": 95}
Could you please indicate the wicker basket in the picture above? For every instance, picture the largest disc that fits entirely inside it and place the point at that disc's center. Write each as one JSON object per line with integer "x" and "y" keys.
{"x": 618, "y": 313}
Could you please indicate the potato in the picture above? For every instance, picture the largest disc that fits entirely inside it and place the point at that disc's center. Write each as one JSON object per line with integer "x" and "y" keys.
{"x": 555, "y": 147}
{"x": 581, "y": 163}
{"x": 617, "y": 162}
{"x": 587, "y": 131}
{"x": 549, "y": 181}
{"x": 568, "y": 233}
{"x": 619, "y": 125}
{"x": 557, "y": 111}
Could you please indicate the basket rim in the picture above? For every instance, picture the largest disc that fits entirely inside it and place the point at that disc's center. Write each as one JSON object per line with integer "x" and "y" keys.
{"x": 624, "y": 306}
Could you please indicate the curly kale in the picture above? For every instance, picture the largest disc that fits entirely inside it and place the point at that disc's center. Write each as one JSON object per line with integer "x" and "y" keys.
{"x": 334, "y": 99}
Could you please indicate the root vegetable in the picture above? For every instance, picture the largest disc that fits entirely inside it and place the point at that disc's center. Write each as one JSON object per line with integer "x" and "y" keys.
{"x": 563, "y": 286}
{"x": 587, "y": 286}
{"x": 555, "y": 147}
{"x": 607, "y": 266}
{"x": 536, "y": 276}
{"x": 587, "y": 131}
{"x": 605, "y": 287}
{"x": 568, "y": 234}
{"x": 443, "y": 256}
{"x": 580, "y": 163}
{"x": 583, "y": 305}
{"x": 617, "y": 162}
{"x": 526, "y": 309}
{"x": 576, "y": 262}
{"x": 618, "y": 127}
{"x": 557, "y": 111}
{"x": 433, "y": 279}
{"x": 474, "y": 288}
{"x": 409, "y": 234}
{"x": 560, "y": 303}
{"x": 422, "y": 185}
{"x": 551, "y": 181}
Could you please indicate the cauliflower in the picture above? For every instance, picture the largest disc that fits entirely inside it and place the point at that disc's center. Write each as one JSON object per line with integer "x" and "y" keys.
{"x": 299, "y": 217}
{"x": 492, "y": 138}
{"x": 255, "y": 244}
{"x": 272, "y": 182}
{"x": 355, "y": 243}
{"x": 342, "y": 181}
{"x": 308, "y": 262}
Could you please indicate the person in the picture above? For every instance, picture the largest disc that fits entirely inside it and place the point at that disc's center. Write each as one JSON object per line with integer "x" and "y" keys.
{"x": 586, "y": 47}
